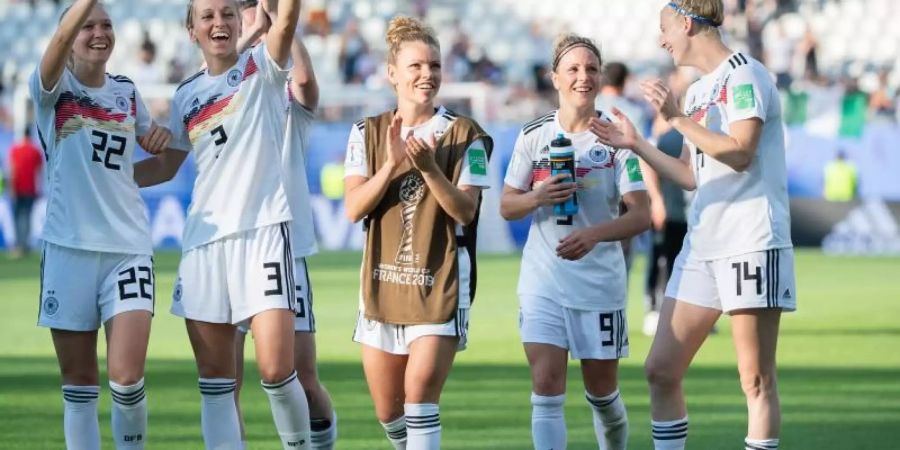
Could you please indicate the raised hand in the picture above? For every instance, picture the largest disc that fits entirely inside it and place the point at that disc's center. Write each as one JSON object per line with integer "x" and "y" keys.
{"x": 263, "y": 22}
{"x": 660, "y": 96}
{"x": 396, "y": 154}
{"x": 421, "y": 153}
{"x": 156, "y": 140}
{"x": 619, "y": 134}
{"x": 554, "y": 190}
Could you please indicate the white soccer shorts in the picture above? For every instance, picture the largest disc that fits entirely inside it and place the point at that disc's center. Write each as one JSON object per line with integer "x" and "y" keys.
{"x": 234, "y": 278}
{"x": 81, "y": 289}
{"x": 759, "y": 280}
{"x": 585, "y": 334}
{"x": 396, "y": 339}
{"x": 304, "y": 319}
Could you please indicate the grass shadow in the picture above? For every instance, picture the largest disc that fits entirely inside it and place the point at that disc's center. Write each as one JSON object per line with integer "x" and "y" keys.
{"x": 483, "y": 407}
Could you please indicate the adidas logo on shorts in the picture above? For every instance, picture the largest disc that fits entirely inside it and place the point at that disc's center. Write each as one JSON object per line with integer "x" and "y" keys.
{"x": 787, "y": 294}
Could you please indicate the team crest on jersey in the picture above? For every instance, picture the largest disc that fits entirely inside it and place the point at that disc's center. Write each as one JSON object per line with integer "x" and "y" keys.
{"x": 598, "y": 154}
{"x": 121, "y": 103}
{"x": 176, "y": 296}
{"x": 51, "y": 305}
{"x": 234, "y": 77}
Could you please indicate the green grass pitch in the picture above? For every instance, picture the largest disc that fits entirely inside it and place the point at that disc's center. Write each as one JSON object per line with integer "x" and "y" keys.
{"x": 839, "y": 367}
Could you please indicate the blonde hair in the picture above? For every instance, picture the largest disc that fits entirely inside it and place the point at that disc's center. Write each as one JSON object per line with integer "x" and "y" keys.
{"x": 189, "y": 17}
{"x": 712, "y": 11}
{"x": 403, "y": 29}
{"x": 566, "y": 42}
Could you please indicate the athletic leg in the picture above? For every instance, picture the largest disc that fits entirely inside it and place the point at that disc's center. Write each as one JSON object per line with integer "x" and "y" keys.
{"x": 385, "y": 375}
{"x": 127, "y": 336}
{"x": 755, "y": 333}
{"x": 322, "y": 417}
{"x": 430, "y": 360}
{"x": 273, "y": 332}
{"x": 240, "y": 339}
{"x": 548, "y": 365}
{"x": 682, "y": 329}
{"x": 213, "y": 345}
{"x": 76, "y": 352}
{"x": 608, "y": 409}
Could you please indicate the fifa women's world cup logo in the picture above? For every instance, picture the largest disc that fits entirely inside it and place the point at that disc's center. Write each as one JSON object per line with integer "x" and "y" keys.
{"x": 412, "y": 189}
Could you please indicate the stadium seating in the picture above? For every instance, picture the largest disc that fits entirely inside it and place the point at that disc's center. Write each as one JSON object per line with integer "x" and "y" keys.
{"x": 624, "y": 28}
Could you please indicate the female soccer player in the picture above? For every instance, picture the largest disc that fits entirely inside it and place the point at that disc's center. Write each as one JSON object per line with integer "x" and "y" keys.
{"x": 737, "y": 257}
{"x": 572, "y": 286}
{"x": 302, "y": 95}
{"x": 415, "y": 174}
{"x": 97, "y": 264}
{"x": 237, "y": 263}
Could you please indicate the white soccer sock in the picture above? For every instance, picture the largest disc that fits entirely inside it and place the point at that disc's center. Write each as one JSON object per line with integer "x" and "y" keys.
{"x": 670, "y": 435}
{"x": 218, "y": 414}
{"x": 548, "y": 422}
{"x": 396, "y": 432}
{"x": 82, "y": 429}
{"x": 760, "y": 444}
{"x": 290, "y": 411}
{"x": 423, "y": 425}
{"x": 323, "y": 432}
{"x": 129, "y": 415}
{"x": 610, "y": 420}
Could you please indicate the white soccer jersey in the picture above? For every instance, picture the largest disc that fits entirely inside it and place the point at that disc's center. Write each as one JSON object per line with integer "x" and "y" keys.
{"x": 293, "y": 158}
{"x": 235, "y": 125}
{"x": 88, "y": 136}
{"x": 738, "y": 212}
{"x": 356, "y": 163}
{"x": 596, "y": 282}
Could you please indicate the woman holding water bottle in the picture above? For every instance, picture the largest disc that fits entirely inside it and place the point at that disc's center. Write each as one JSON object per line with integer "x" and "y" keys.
{"x": 572, "y": 282}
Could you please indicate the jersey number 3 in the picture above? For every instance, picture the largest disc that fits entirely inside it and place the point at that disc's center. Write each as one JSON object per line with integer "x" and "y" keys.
{"x": 219, "y": 133}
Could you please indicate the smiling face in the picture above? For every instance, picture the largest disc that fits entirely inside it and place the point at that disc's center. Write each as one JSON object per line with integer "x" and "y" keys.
{"x": 673, "y": 37}
{"x": 577, "y": 78}
{"x": 215, "y": 25}
{"x": 95, "y": 40}
{"x": 415, "y": 72}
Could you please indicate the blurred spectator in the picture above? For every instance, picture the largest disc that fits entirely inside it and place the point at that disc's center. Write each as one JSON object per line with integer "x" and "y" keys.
{"x": 317, "y": 23}
{"x": 420, "y": 8}
{"x": 146, "y": 70}
{"x": 540, "y": 48}
{"x": 882, "y": 105}
{"x": 841, "y": 179}
{"x": 543, "y": 85}
{"x": 331, "y": 179}
{"x": 779, "y": 53}
{"x": 612, "y": 94}
{"x": 806, "y": 51}
{"x": 457, "y": 66}
{"x": 485, "y": 70}
{"x": 854, "y": 107}
{"x": 25, "y": 163}
{"x": 353, "y": 49}
{"x": 668, "y": 211}
{"x": 176, "y": 73}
